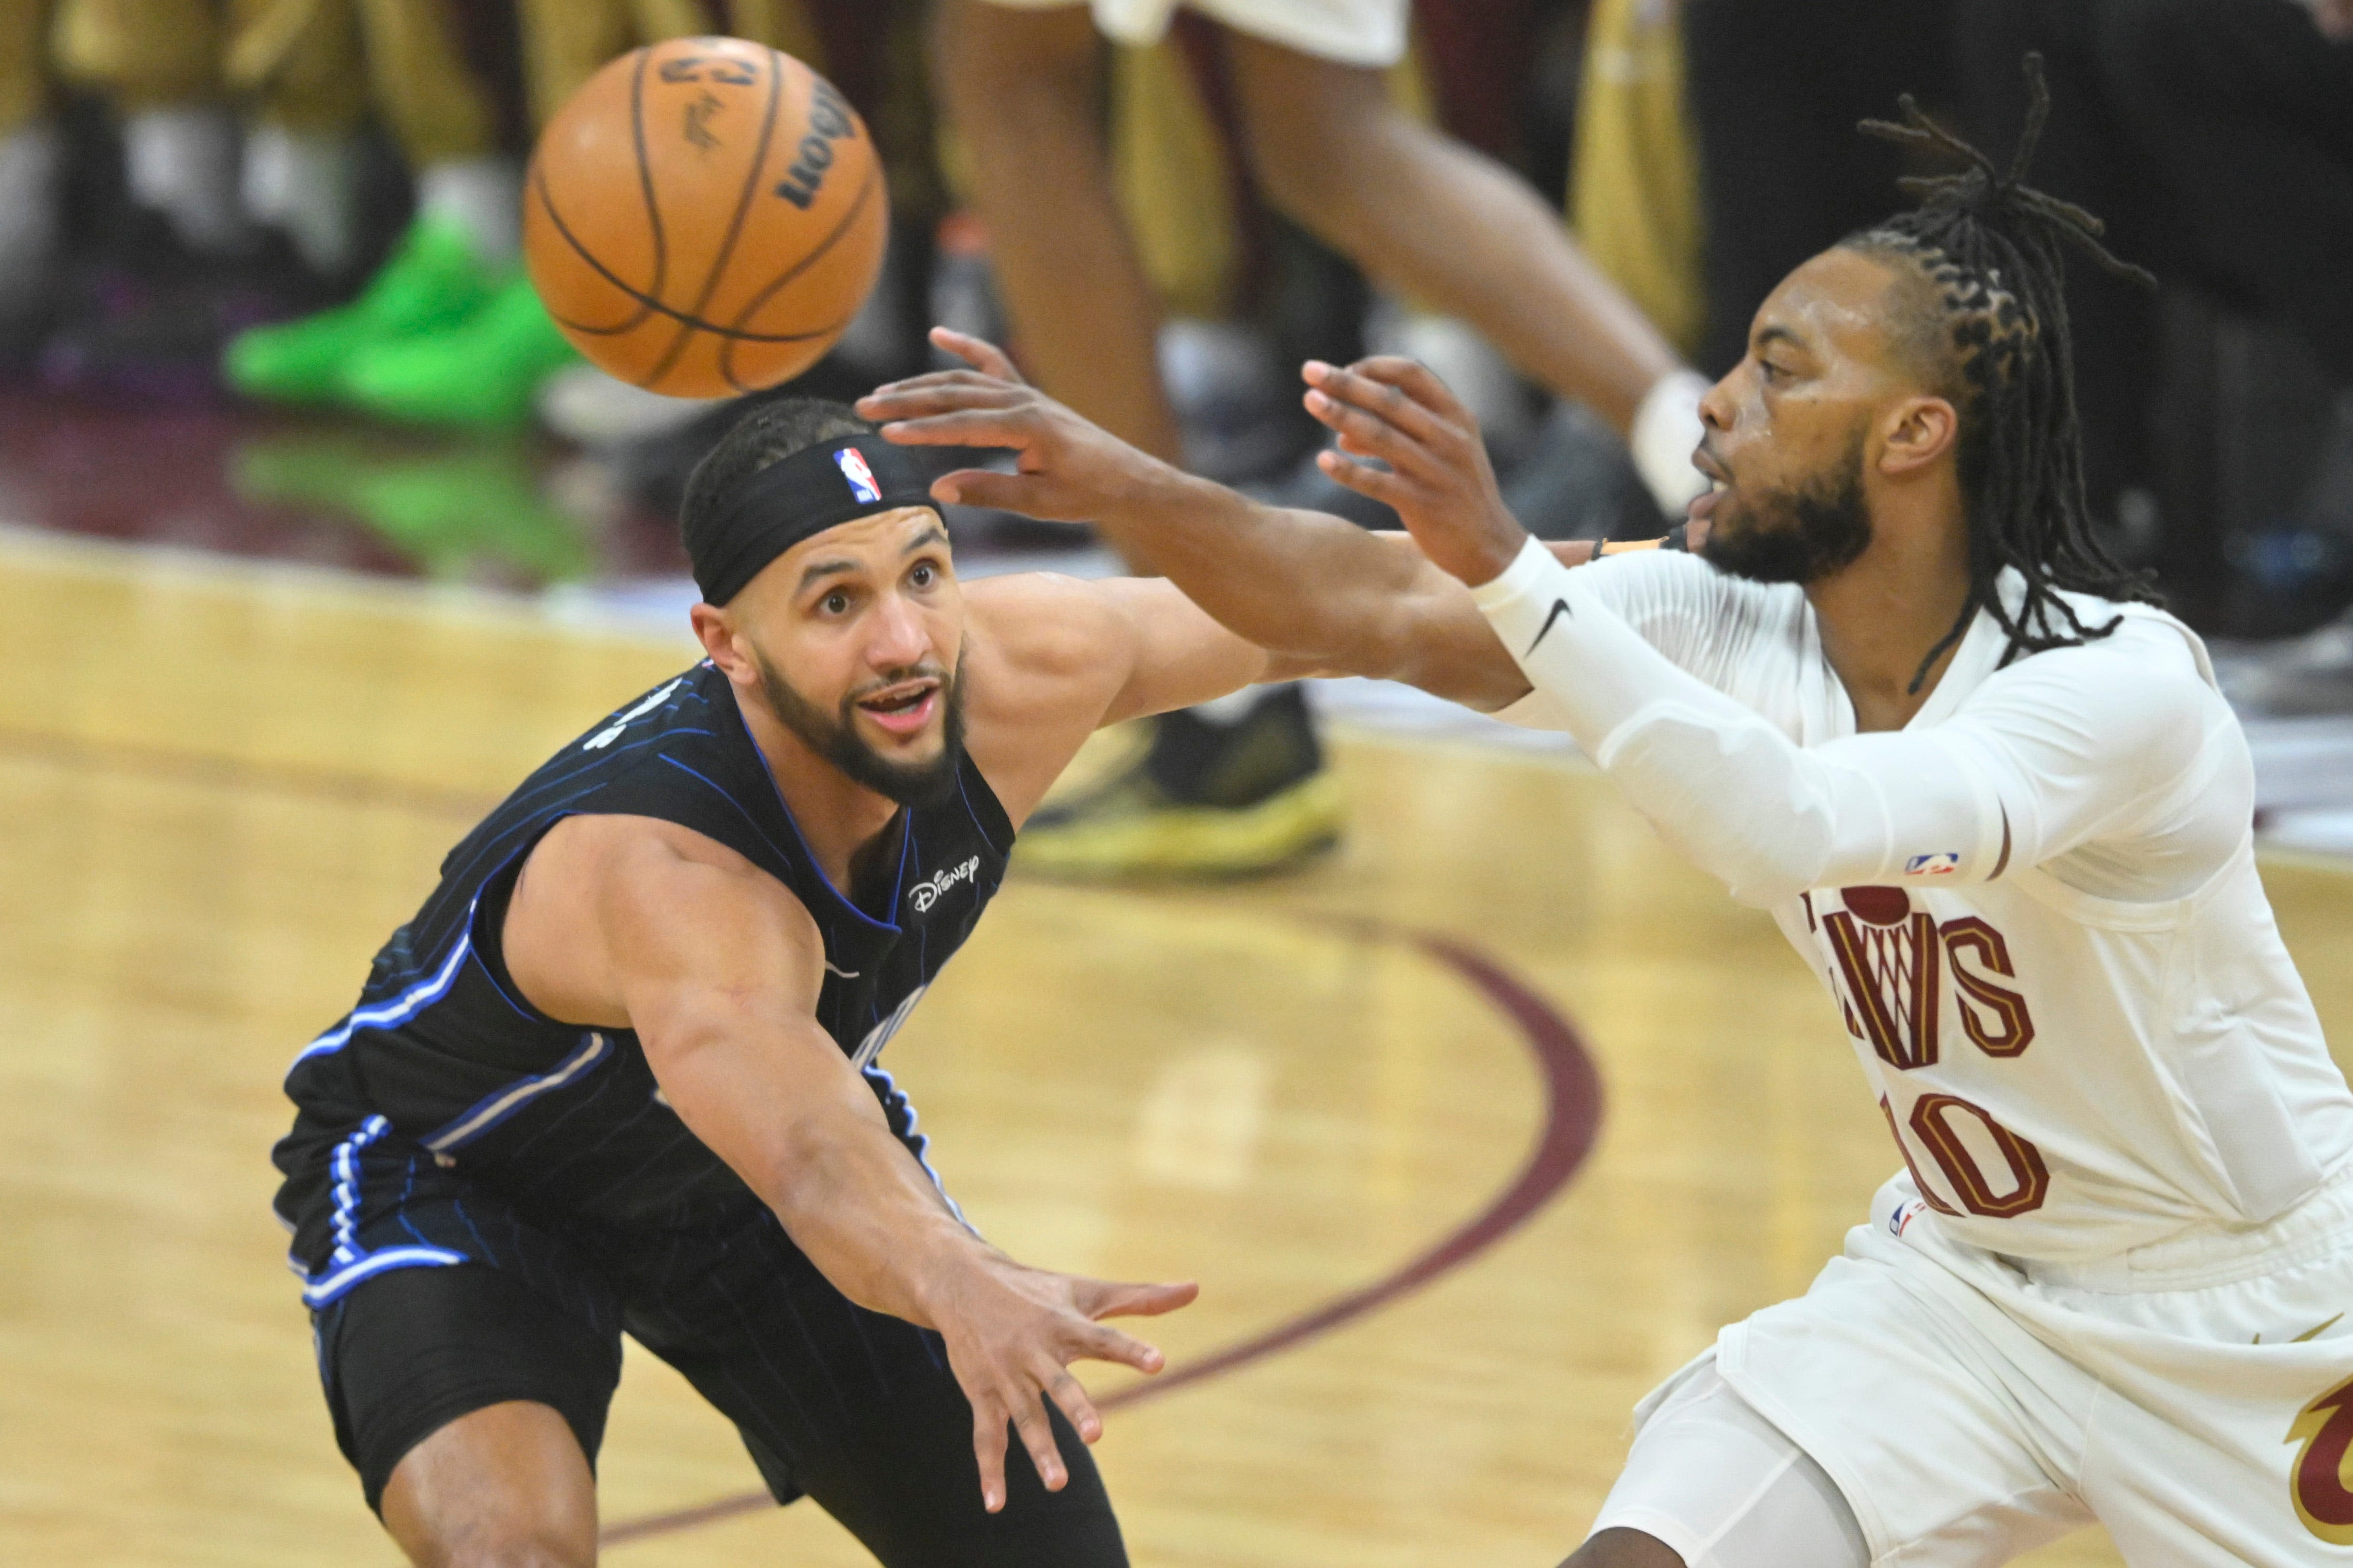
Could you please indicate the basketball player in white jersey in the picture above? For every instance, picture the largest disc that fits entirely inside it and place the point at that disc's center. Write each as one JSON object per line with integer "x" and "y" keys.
{"x": 1992, "y": 796}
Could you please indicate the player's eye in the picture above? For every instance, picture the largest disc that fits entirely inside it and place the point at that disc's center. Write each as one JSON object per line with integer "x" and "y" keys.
{"x": 835, "y": 603}
{"x": 923, "y": 575}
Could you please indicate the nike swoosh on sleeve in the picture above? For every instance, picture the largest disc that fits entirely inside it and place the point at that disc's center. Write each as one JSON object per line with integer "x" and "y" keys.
{"x": 1560, "y": 609}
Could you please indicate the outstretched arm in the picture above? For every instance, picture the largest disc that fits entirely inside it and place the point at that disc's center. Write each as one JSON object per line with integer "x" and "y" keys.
{"x": 1313, "y": 588}
{"x": 2102, "y": 742}
{"x": 1052, "y": 659}
{"x": 629, "y": 923}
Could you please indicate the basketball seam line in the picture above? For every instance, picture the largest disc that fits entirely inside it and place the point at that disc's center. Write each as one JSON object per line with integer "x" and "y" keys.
{"x": 646, "y": 180}
{"x": 647, "y": 302}
{"x": 733, "y": 336}
{"x": 734, "y": 224}
{"x": 672, "y": 312}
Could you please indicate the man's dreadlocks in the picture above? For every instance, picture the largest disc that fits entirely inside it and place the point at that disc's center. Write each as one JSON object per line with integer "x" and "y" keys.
{"x": 1991, "y": 250}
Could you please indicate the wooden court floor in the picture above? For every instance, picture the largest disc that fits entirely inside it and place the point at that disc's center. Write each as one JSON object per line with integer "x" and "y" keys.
{"x": 220, "y": 789}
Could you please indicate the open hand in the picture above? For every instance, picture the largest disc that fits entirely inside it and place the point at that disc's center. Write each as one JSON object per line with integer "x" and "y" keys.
{"x": 1066, "y": 470}
{"x": 1438, "y": 476}
{"x": 1012, "y": 1333}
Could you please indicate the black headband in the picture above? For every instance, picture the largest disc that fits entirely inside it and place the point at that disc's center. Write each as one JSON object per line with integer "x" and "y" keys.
{"x": 789, "y": 500}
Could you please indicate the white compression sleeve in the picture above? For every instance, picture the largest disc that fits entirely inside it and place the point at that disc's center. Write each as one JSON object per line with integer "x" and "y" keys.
{"x": 1768, "y": 818}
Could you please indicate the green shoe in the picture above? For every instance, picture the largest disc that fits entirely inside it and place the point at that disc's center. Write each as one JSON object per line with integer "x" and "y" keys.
{"x": 483, "y": 371}
{"x": 434, "y": 279}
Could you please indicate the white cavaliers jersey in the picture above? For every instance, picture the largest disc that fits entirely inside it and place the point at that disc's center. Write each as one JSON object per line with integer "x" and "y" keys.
{"x": 2077, "y": 1053}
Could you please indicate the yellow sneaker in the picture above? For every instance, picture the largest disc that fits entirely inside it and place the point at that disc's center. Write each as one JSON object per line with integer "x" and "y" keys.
{"x": 1202, "y": 799}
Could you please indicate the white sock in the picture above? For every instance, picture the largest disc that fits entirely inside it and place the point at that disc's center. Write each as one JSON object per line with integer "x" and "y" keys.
{"x": 483, "y": 194}
{"x": 182, "y": 162}
{"x": 28, "y": 239}
{"x": 307, "y": 185}
{"x": 1666, "y": 427}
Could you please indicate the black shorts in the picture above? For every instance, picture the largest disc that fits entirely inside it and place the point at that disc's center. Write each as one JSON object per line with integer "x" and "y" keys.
{"x": 850, "y": 1407}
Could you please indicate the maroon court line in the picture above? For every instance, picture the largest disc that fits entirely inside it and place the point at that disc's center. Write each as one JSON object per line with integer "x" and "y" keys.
{"x": 1572, "y": 1121}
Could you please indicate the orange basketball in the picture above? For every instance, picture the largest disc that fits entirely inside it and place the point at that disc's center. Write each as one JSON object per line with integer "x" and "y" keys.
{"x": 705, "y": 217}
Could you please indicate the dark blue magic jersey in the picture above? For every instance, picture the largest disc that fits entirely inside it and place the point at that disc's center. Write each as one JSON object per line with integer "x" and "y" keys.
{"x": 444, "y": 1079}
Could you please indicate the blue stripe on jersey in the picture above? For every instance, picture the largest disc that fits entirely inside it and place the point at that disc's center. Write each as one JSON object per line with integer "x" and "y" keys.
{"x": 322, "y": 1291}
{"x": 494, "y": 1109}
{"x": 344, "y": 1164}
{"x": 352, "y": 1263}
{"x": 773, "y": 847}
{"x": 401, "y": 1008}
{"x": 917, "y": 1144}
{"x": 841, "y": 900}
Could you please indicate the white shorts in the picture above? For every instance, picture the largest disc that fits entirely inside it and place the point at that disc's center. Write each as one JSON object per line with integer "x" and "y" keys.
{"x": 1353, "y": 32}
{"x": 2196, "y": 1396}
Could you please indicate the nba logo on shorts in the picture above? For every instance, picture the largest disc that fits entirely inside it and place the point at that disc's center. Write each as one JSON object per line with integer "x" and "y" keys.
{"x": 1943, "y": 865}
{"x": 852, "y": 463}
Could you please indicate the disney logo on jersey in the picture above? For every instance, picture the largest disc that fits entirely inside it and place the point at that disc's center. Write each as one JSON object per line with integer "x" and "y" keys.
{"x": 932, "y": 889}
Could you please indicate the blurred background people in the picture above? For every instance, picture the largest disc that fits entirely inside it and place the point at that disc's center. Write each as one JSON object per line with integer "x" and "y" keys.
{"x": 2217, "y": 137}
{"x": 1304, "y": 92}
{"x": 313, "y": 204}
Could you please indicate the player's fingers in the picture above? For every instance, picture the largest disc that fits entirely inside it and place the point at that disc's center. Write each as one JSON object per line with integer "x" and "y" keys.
{"x": 1381, "y": 484}
{"x": 943, "y": 387}
{"x": 1371, "y": 435}
{"x": 885, "y": 404}
{"x": 1037, "y": 1435}
{"x": 978, "y": 352}
{"x": 1416, "y": 381}
{"x": 988, "y": 1421}
{"x": 1094, "y": 1341}
{"x": 1109, "y": 1298}
{"x": 1005, "y": 493}
{"x": 1382, "y": 398}
{"x": 1069, "y": 1396}
{"x": 960, "y": 375}
{"x": 1014, "y": 426}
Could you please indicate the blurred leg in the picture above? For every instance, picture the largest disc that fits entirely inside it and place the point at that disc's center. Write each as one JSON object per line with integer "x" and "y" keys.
{"x": 141, "y": 53}
{"x": 1024, "y": 87}
{"x": 563, "y": 42}
{"x": 424, "y": 86}
{"x": 301, "y": 64}
{"x": 23, "y": 85}
{"x": 1436, "y": 220}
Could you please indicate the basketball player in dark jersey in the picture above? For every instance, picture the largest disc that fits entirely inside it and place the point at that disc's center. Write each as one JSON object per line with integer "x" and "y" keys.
{"x": 620, "y": 1073}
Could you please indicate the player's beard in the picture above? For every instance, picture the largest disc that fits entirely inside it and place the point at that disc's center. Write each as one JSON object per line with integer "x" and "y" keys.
{"x": 834, "y": 736}
{"x": 1798, "y": 534}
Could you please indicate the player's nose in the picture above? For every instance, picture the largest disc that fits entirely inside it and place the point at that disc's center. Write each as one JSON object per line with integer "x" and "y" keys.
{"x": 1715, "y": 408}
{"x": 900, "y": 637}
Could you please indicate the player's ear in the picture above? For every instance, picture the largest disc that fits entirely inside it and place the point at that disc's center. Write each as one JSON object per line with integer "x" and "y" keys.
{"x": 1916, "y": 435}
{"x": 714, "y": 629}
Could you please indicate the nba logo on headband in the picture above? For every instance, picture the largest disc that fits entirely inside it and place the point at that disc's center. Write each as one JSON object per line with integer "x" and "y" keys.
{"x": 862, "y": 477}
